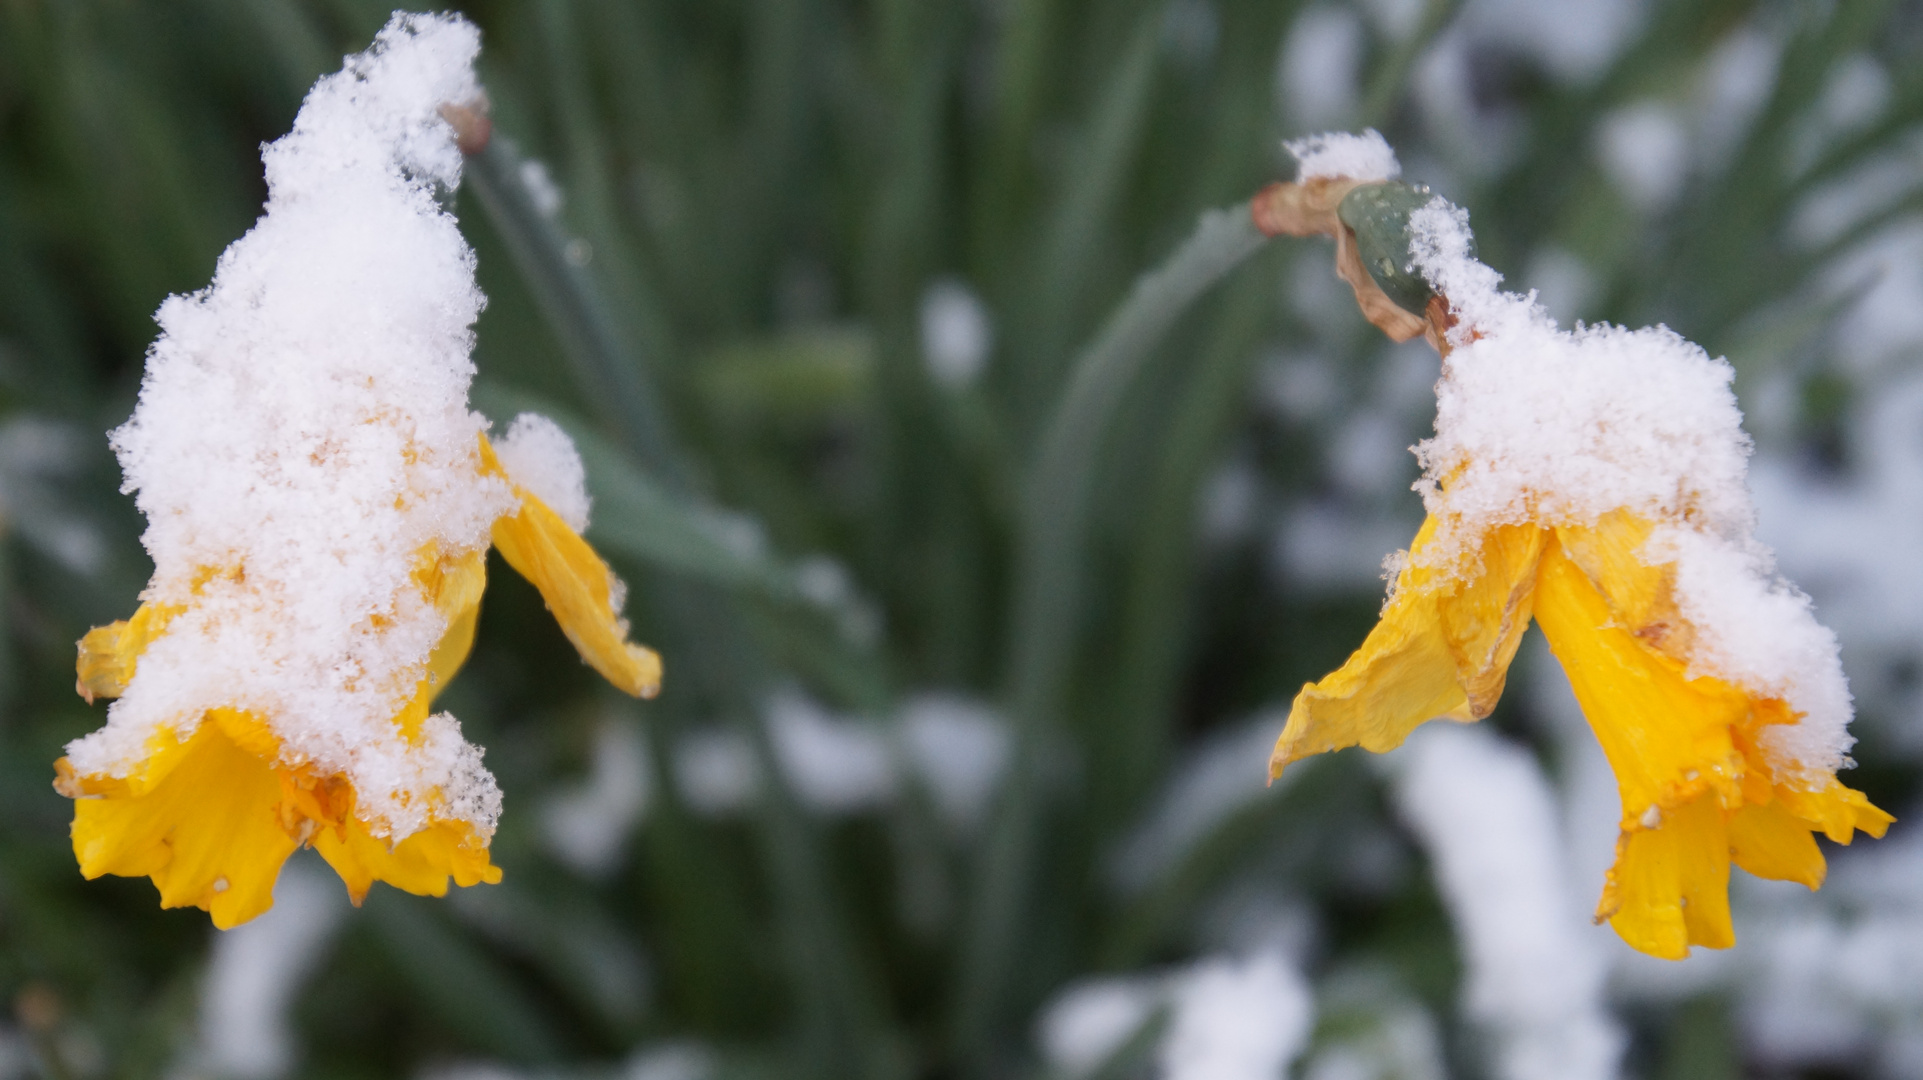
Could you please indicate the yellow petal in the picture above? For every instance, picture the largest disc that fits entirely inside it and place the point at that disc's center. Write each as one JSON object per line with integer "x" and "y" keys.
{"x": 1669, "y": 888}
{"x": 1666, "y": 735}
{"x": 1403, "y": 675}
{"x": 420, "y": 864}
{"x": 1485, "y": 611}
{"x": 204, "y": 827}
{"x": 577, "y": 586}
{"x": 454, "y": 583}
{"x": 108, "y": 654}
{"x": 1641, "y": 597}
{"x": 1834, "y": 810}
{"x": 1770, "y": 842}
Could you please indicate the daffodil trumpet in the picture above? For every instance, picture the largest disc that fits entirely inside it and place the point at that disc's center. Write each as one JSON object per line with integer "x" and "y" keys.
{"x": 1592, "y": 482}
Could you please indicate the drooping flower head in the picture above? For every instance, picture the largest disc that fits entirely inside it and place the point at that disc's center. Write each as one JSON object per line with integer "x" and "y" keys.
{"x": 319, "y": 502}
{"x": 1593, "y": 480}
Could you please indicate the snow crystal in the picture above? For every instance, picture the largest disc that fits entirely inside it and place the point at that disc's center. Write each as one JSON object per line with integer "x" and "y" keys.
{"x": 1339, "y": 154}
{"x": 1535, "y": 424}
{"x": 1485, "y": 813}
{"x": 540, "y": 457}
{"x": 303, "y": 434}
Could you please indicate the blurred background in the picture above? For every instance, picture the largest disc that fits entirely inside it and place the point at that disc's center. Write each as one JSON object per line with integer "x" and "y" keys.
{"x": 979, "y": 620}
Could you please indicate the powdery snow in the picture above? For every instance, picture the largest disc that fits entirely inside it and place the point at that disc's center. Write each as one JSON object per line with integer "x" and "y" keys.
{"x": 540, "y": 457}
{"x": 303, "y": 435}
{"x": 1339, "y": 154}
{"x": 1560, "y": 427}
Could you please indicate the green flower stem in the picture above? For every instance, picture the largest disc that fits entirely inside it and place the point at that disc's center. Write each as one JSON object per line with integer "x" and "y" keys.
{"x": 1049, "y": 593}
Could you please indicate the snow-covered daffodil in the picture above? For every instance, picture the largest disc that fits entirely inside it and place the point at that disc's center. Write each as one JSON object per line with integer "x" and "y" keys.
{"x": 320, "y": 502}
{"x": 1593, "y": 481}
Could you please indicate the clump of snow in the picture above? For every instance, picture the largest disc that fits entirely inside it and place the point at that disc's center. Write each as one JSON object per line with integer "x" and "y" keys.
{"x": 957, "y": 747}
{"x": 716, "y": 771}
{"x": 1338, "y": 154}
{"x": 956, "y": 333}
{"x": 1535, "y": 424}
{"x": 540, "y": 457}
{"x": 1229, "y": 1018}
{"x": 303, "y": 434}
{"x": 1486, "y": 815}
{"x": 836, "y": 764}
{"x": 1236, "y": 1019}
{"x": 1088, "y": 1022}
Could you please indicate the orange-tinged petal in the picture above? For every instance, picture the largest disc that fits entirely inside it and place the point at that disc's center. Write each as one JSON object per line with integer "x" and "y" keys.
{"x": 1770, "y": 842}
{"x": 1669, "y": 888}
{"x": 1403, "y": 675}
{"x": 109, "y": 654}
{"x": 1666, "y": 735}
{"x": 207, "y": 830}
{"x": 577, "y": 586}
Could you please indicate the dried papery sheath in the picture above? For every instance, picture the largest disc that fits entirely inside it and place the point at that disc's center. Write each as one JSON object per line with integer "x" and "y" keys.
{"x": 1593, "y": 481}
{"x": 319, "y": 502}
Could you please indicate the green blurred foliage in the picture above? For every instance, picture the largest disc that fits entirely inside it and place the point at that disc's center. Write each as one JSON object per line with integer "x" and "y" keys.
{"x": 727, "y": 311}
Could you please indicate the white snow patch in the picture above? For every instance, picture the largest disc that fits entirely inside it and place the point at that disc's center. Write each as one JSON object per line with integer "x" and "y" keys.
{"x": 1229, "y": 1018}
{"x": 1485, "y": 812}
{"x": 540, "y": 457}
{"x": 1088, "y": 1022}
{"x": 716, "y": 771}
{"x": 836, "y": 764}
{"x": 958, "y": 747}
{"x": 1233, "y": 1019}
{"x": 956, "y": 333}
{"x": 1339, "y": 154}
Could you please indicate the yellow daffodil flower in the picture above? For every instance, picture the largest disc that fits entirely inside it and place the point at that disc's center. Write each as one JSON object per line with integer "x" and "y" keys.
{"x": 1697, "y": 792}
{"x": 217, "y": 806}
{"x": 1590, "y": 480}
{"x": 319, "y": 502}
